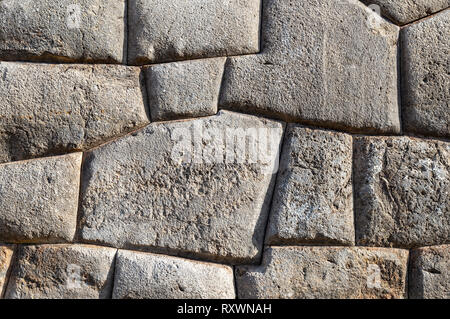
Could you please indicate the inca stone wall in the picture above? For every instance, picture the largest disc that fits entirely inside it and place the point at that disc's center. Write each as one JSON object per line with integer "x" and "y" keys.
{"x": 224, "y": 149}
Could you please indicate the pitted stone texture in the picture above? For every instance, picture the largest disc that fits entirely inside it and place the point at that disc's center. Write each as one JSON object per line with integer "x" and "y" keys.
{"x": 430, "y": 273}
{"x": 325, "y": 273}
{"x": 149, "y": 190}
{"x": 170, "y": 30}
{"x": 328, "y": 63}
{"x": 6, "y": 254}
{"x": 184, "y": 89}
{"x": 426, "y": 76}
{"x": 406, "y": 11}
{"x": 62, "y": 30}
{"x": 401, "y": 190}
{"x": 62, "y": 272}
{"x": 53, "y": 109}
{"x": 150, "y": 276}
{"x": 39, "y": 199}
{"x": 313, "y": 201}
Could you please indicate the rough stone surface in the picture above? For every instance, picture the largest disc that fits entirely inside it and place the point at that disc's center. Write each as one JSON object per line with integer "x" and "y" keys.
{"x": 39, "y": 199}
{"x": 406, "y": 11}
{"x": 184, "y": 89}
{"x": 149, "y": 276}
{"x": 6, "y": 254}
{"x": 62, "y": 30}
{"x": 329, "y": 63}
{"x": 313, "y": 201}
{"x": 426, "y": 76}
{"x": 401, "y": 189}
{"x": 169, "y": 188}
{"x": 51, "y": 109}
{"x": 62, "y": 272}
{"x": 169, "y": 30}
{"x": 325, "y": 272}
{"x": 430, "y": 273}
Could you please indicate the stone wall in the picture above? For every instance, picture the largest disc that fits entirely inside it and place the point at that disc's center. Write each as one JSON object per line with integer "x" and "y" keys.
{"x": 224, "y": 149}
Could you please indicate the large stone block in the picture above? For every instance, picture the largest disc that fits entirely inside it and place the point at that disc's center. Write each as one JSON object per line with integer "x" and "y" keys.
{"x": 63, "y": 30}
{"x": 170, "y": 30}
{"x": 149, "y": 276}
{"x": 48, "y": 109}
{"x": 430, "y": 273}
{"x": 401, "y": 189}
{"x": 426, "y": 77}
{"x": 192, "y": 188}
{"x": 327, "y": 63}
{"x": 39, "y": 199}
{"x": 313, "y": 201}
{"x": 325, "y": 273}
{"x": 184, "y": 89}
{"x": 6, "y": 254}
{"x": 62, "y": 272}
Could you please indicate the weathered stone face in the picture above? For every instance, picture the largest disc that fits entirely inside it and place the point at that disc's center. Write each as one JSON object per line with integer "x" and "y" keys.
{"x": 313, "y": 200}
{"x": 407, "y": 11}
{"x": 184, "y": 89}
{"x": 150, "y": 276}
{"x": 329, "y": 63}
{"x": 48, "y": 109}
{"x": 325, "y": 272}
{"x": 426, "y": 78}
{"x": 6, "y": 254}
{"x": 62, "y": 272}
{"x": 401, "y": 191}
{"x": 170, "y": 30}
{"x": 63, "y": 30}
{"x": 39, "y": 199}
{"x": 430, "y": 273}
{"x": 182, "y": 187}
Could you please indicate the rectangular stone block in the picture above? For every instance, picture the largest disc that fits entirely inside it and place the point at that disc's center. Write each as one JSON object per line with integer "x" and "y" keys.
{"x": 170, "y": 30}
{"x": 39, "y": 199}
{"x": 53, "y": 109}
{"x": 199, "y": 188}
{"x": 401, "y": 189}
{"x": 149, "y": 276}
{"x": 6, "y": 255}
{"x": 325, "y": 273}
{"x": 313, "y": 200}
{"x": 62, "y": 272}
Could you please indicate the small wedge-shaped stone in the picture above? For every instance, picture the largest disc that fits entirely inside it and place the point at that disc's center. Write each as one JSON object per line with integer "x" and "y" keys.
{"x": 62, "y": 272}
{"x": 170, "y": 30}
{"x": 6, "y": 254}
{"x": 193, "y": 188}
{"x": 430, "y": 273}
{"x": 149, "y": 276}
{"x": 48, "y": 109}
{"x": 62, "y": 30}
{"x": 328, "y": 63}
{"x": 39, "y": 199}
{"x": 406, "y": 11}
{"x": 401, "y": 190}
{"x": 325, "y": 273}
{"x": 184, "y": 89}
{"x": 313, "y": 201}
{"x": 426, "y": 76}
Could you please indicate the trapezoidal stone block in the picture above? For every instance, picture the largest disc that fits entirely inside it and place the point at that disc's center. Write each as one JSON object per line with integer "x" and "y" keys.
{"x": 171, "y": 30}
{"x": 53, "y": 109}
{"x": 425, "y": 76}
{"x": 327, "y": 63}
{"x": 63, "y": 30}
{"x": 325, "y": 273}
{"x": 39, "y": 199}
{"x": 62, "y": 272}
{"x": 313, "y": 200}
{"x": 199, "y": 188}
{"x": 401, "y": 190}
{"x": 6, "y": 254}
{"x": 149, "y": 276}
